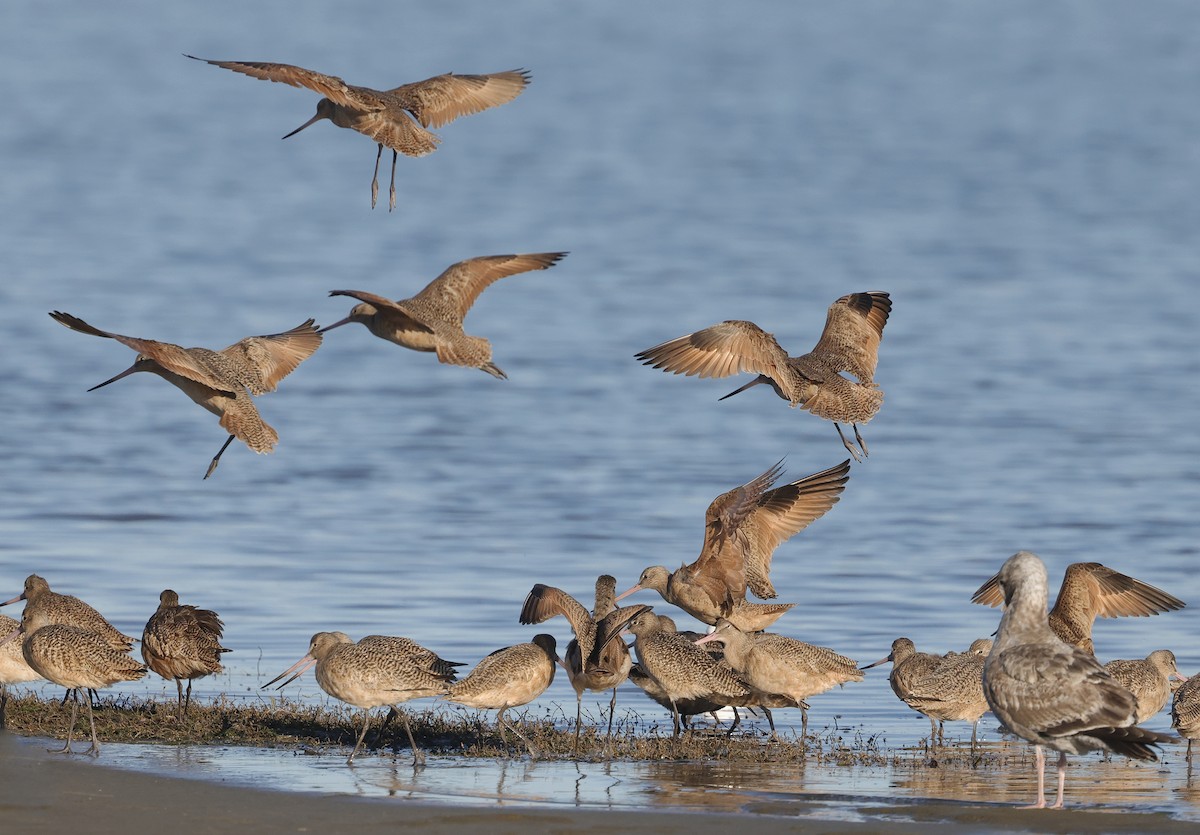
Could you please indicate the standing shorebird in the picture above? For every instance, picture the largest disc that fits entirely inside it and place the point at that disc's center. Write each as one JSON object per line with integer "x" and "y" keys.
{"x": 943, "y": 688}
{"x": 397, "y": 118}
{"x": 682, "y": 671}
{"x": 813, "y": 381}
{"x": 1051, "y": 693}
{"x": 182, "y": 642}
{"x": 74, "y": 658}
{"x": 13, "y": 667}
{"x": 1185, "y": 713}
{"x": 1090, "y": 590}
{"x": 742, "y": 529}
{"x": 596, "y": 658}
{"x": 432, "y": 320}
{"x": 220, "y": 381}
{"x": 1149, "y": 679}
{"x": 509, "y": 677}
{"x": 378, "y": 670}
{"x": 784, "y": 666}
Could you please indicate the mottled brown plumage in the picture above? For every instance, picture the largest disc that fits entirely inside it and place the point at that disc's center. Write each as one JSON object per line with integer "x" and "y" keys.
{"x": 596, "y": 658}
{"x": 742, "y": 529}
{"x": 398, "y": 117}
{"x": 182, "y": 642}
{"x": 432, "y": 320}
{"x": 1090, "y": 590}
{"x": 14, "y": 669}
{"x": 849, "y": 343}
{"x": 1049, "y": 692}
{"x": 1185, "y": 712}
{"x": 377, "y": 670}
{"x": 953, "y": 690}
{"x": 1148, "y": 679}
{"x": 509, "y": 677}
{"x": 220, "y": 381}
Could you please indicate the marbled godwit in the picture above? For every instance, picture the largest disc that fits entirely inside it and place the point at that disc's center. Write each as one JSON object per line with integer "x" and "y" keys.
{"x": 1149, "y": 679}
{"x": 220, "y": 381}
{"x": 908, "y": 668}
{"x": 1051, "y": 693}
{"x": 378, "y": 670}
{"x": 432, "y": 320}
{"x": 182, "y": 642}
{"x": 743, "y": 527}
{"x": 74, "y": 658}
{"x": 13, "y": 667}
{"x": 509, "y": 677}
{"x": 953, "y": 691}
{"x": 776, "y": 664}
{"x": 1090, "y": 590}
{"x": 1185, "y": 712}
{"x": 596, "y": 658}
{"x": 391, "y": 117}
{"x": 682, "y": 670}
{"x": 813, "y": 381}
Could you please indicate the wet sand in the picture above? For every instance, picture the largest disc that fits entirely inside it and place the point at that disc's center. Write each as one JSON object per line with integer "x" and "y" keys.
{"x": 45, "y": 792}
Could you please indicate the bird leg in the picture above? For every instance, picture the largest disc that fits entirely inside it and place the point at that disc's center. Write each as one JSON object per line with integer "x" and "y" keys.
{"x": 392, "y": 190}
{"x": 502, "y": 722}
{"x": 771, "y": 722}
{"x": 375, "y": 178}
{"x": 849, "y": 447}
{"x": 862, "y": 444}
{"x": 612, "y": 712}
{"x": 361, "y": 736}
{"x": 66, "y": 749}
{"x": 1041, "y": 769}
{"x": 180, "y": 710}
{"x": 1062, "y": 779}
{"x": 217, "y": 458}
{"x": 187, "y": 698}
{"x": 578, "y": 720}
{"x": 418, "y": 754}
{"x": 94, "y": 750}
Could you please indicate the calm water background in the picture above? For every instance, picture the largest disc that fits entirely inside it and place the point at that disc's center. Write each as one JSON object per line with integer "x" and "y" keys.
{"x": 1021, "y": 177}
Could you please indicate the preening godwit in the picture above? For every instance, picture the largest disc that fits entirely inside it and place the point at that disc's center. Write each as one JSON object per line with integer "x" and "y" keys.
{"x": 1149, "y": 679}
{"x": 813, "y": 381}
{"x": 596, "y": 658}
{"x": 13, "y": 667}
{"x": 683, "y": 671}
{"x": 1090, "y": 590}
{"x": 397, "y": 118}
{"x": 377, "y": 670}
{"x": 509, "y": 677}
{"x": 1051, "y": 693}
{"x": 432, "y": 320}
{"x": 1185, "y": 712}
{"x": 74, "y": 658}
{"x": 220, "y": 381}
{"x": 182, "y": 642}
{"x": 743, "y": 527}
{"x": 953, "y": 691}
{"x": 783, "y": 666}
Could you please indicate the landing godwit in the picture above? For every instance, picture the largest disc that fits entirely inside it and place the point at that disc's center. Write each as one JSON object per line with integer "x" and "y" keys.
{"x": 780, "y": 665}
{"x": 432, "y": 320}
{"x": 220, "y": 381}
{"x": 378, "y": 670}
{"x": 74, "y": 658}
{"x": 509, "y": 677}
{"x": 1051, "y": 693}
{"x": 391, "y": 117}
{"x": 682, "y": 670}
{"x": 1149, "y": 679}
{"x": 182, "y": 642}
{"x": 743, "y": 527}
{"x": 13, "y": 667}
{"x": 813, "y": 381}
{"x": 1185, "y": 712}
{"x": 596, "y": 658}
{"x": 953, "y": 691}
{"x": 1090, "y": 590}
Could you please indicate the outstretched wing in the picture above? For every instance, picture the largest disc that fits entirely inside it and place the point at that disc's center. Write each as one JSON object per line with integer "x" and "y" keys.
{"x": 442, "y": 99}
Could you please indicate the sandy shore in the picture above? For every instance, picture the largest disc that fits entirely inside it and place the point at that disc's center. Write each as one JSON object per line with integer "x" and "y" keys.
{"x": 44, "y": 792}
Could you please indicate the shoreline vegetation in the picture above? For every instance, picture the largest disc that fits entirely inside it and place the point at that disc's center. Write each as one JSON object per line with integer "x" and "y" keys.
{"x": 330, "y": 728}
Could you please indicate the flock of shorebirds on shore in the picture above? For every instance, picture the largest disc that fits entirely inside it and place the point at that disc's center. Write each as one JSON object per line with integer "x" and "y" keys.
{"x": 1039, "y": 676}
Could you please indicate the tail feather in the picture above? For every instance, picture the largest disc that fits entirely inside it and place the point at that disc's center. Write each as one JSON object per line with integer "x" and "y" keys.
{"x": 1133, "y": 742}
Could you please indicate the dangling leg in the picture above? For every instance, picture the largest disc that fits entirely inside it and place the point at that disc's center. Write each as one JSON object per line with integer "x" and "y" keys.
{"x": 361, "y": 736}
{"x": 1062, "y": 779}
{"x": 375, "y": 177}
{"x": 849, "y": 446}
{"x": 392, "y": 191}
{"x": 217, "y": 458}
{"x": 95, "y": 749}
{"x": 861, "y": 443}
